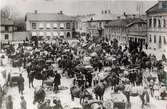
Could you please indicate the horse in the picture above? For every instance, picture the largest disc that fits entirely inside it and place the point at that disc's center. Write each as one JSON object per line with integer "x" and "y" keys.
{"x": 39, "y": 95}
{"x": 99, "y": 90}
{"x": 141, "y": 92}
{"x": 36, "y": 75}
{"x": 80, "y": 93}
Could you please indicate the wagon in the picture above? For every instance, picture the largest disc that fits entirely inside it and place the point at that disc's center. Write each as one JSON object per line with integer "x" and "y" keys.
{"x": 14, "y": 78}
{"x": 117, "y": 101}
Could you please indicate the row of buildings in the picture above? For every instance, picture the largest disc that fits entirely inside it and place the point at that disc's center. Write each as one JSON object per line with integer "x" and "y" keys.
{"x": 150, "y": 28}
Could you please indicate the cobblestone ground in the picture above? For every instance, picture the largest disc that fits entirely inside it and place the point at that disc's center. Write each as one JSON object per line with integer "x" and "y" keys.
{"x": 64, "y": 95}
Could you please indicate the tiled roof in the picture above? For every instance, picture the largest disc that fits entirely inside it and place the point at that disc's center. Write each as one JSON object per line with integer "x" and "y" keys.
{"x": 5, "y": 21}
{"x": 124, "y": 22}
{"x": 48, "y": 17}
{"x": 137, "y": 20}
{"x": 119, "y": 22}
{"x": 161, "y": 6}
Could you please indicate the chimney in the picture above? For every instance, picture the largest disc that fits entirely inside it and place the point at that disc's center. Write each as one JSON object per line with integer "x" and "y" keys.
{"x": 125, "y": 15}
{"x": 36, "y": 11}
{"x": 118, "y": 17}
{"x": 61, "y": 12}
{"x": 134, "y": 16}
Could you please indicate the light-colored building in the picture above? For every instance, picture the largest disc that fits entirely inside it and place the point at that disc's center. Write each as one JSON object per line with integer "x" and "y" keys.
{"x": 126, "y": 29}
{"x": 157, "y": 27}
{"x": 96, "y": 23}
{"x": 6, "y": 30}
{"x": 49, "y": 25}
{"x": 116, "y": 29}
{"x": 137, "y": 31}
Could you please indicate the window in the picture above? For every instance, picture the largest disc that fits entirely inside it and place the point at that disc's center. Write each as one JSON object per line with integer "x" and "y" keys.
{"x": 150, "y": 22}
{"x": 159, "y": 23}
{"x": 155, "y": 22}
{"x": 61, "y": 26}
{"x": 10, "y": 28}
{"x": 55, "y": 34}
{"x": 41, "y": 26}
{"x": 55, "y": 26}
{"x": 160, "y": 39}
{"x": 6, "y": 36}
{"x": 2, "y": 28}
{"x": 34, "y": 34}
{"x": 164, "y": 23}
{"x": 68, "y": 34}
{"x": 48, "y": 34}
{"x": 68, "y": 25}
{"x": 48, "y": 26}
{"x": 164, "y": 40}
{"x": 6, "y": 28}
{"x": 62, "y": 34}
{"x": 155, "y": 39}
{"x": 150, "y": 39}
{"x": 34, "y": 25}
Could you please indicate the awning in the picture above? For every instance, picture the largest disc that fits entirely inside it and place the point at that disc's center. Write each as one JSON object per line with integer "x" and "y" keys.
{"x": 41, "y": 34}
{"x": 61, "y": 33}
{"x": 48, "y": 34}
{"x": 61, "y": 25}
{"x": 55, "y": 34}
{"x": 48, "y": 25}
{"x": 41, "y": 25}
{"x": 55, "y": 25}
{"x": 34, "y": 34}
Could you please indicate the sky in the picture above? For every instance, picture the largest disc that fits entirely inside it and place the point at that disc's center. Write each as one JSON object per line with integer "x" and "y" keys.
{"x": 76, "y": 7}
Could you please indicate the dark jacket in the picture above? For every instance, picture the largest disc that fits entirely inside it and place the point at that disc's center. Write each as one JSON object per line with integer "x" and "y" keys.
{"x": 57, "y": 79}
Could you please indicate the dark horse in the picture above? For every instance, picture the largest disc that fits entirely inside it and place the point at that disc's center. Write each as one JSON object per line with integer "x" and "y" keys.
{"x": 36, "y": 75}
{"x": 99, "y": 90}
{"x": 80, "y": 93}
{"x": 39, "y": 95}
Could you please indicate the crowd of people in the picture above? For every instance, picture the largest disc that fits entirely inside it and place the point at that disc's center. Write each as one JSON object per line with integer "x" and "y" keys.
{"x": 39, "y": 58}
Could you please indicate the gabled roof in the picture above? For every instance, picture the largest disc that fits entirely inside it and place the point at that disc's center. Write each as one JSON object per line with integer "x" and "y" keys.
{"x": 124, "y": 22}
{"x": 48, "y": 17}
{"x": 161, "y": 6}
{"x": 104, "y": 17}
{"x": 137, "y": 20}
{"x": 6, "y": 21}
{"x": 119, "y": 22}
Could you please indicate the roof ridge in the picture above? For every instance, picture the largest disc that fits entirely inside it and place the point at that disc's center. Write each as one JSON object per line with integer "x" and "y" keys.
{"x": 152, "y": 7}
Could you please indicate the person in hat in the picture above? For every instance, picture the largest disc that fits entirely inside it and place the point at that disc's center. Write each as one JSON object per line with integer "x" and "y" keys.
{"x": 47, "y": 105}
{"x": 21, "y": 84}
{"x": 9, "y": 102}
{"x": 128, "y": 88}
{"x": 58, "y": 104}
{"x": 23, "y": 103}
{"x": 163, "y": 93}
{"x": 151, "y": 85}
{"x": 57, "y": 81}
{"x": 156, "y": 90}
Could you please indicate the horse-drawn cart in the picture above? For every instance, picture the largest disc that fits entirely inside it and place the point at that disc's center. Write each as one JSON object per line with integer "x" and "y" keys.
{"x": 117, "y": 101}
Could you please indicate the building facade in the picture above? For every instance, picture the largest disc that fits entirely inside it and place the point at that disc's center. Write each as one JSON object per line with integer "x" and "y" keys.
{"x": 7, "y": 29}
{"x": 137, "y": 31}
{"x": 49, "y": 25}
{"x": 126, "y": 29}
{"x": 116, "y": 29}
{"x": 157, "y": 26}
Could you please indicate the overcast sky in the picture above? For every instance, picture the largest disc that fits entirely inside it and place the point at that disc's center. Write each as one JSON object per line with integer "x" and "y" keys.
{"x": 74, "y": 7}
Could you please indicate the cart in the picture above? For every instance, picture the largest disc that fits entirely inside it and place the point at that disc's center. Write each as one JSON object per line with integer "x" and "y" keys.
{"x": 117, "y": 101}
